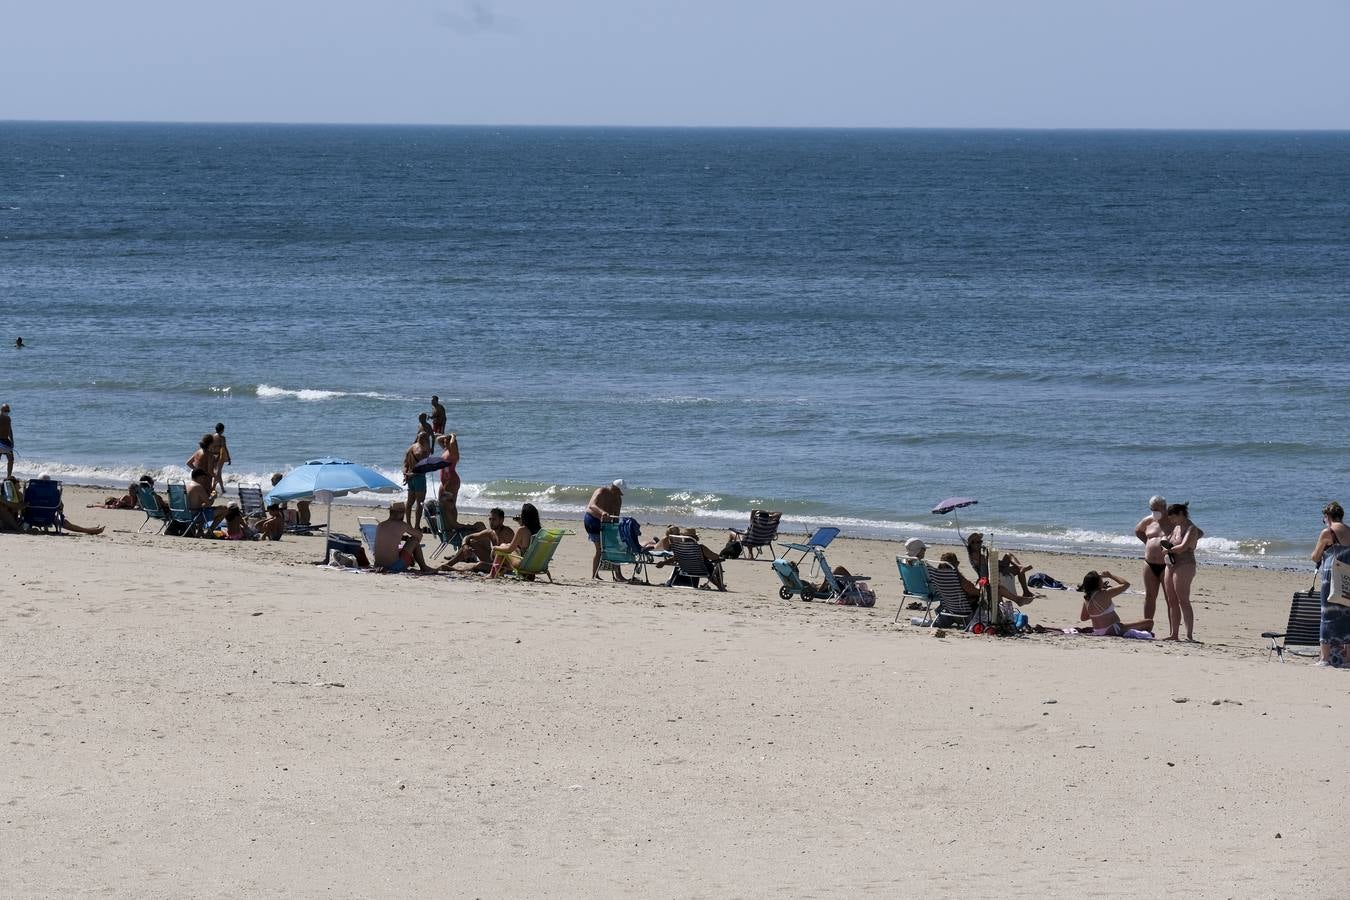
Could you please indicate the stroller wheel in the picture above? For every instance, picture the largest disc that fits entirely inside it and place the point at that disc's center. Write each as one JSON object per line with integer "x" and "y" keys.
{"x": 785, "y": 592}
{"x": 808, "y": 593}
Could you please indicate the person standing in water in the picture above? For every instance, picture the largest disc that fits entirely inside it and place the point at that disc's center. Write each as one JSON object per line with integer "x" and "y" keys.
{"x": 1151, "y": 530}
{"x": 18, "y": 344}
{"x": 437, "y": 415}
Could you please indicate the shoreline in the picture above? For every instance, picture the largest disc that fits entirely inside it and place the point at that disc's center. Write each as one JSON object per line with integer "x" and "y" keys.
{"x": 710, "y": 521}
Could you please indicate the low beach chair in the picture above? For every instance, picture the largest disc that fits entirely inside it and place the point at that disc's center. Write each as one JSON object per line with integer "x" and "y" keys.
{"x": 818, "y": 541}
{"x": 955, "y": 609}
{"x": 690, "y": 563}
{"x": 536, "y": 558}
{"x": 149, "y": 501}
{"x": 42, "y": 505}
{"x": 1304, "y": 628}
{"x": 190, "y": 519}
{"x": 620, "y": 548}
{"x": 914, "y": 577}
{"x": 251, "y": 501}
{"x": 367, "y": 528}
{"x": 449, "y": 537}
{"x": 761, "y": 532}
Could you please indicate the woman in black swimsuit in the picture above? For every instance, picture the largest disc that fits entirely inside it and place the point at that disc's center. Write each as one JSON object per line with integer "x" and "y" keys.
{"x": 1332, "y": 544}
{"x": 1151, "y": 530}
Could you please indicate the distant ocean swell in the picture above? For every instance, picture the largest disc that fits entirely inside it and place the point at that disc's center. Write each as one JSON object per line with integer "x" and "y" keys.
{"x": 709, "y": 510}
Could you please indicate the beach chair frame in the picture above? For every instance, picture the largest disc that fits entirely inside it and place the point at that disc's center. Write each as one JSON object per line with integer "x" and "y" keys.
{"x": 536, "y": 559}
{"x": 915, "y": 583}
{"x": 149, "y": 501}
{"x": 690, "y": 563}
{"x": 760, "y": 533}
{"x": 819, "y": 540}
{"x": 1304, "y": 628}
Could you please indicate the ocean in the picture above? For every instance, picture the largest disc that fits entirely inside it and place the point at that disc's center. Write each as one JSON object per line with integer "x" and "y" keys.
{"x": 844, "y": 325}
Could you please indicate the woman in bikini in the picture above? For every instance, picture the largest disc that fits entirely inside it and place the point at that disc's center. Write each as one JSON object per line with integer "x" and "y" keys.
{"x": 1151, "y": 530}
{"x": 1332, "y": 544}
{"x": 1180, "y": 567}
{"x": 1099, "y": 605}
{"x": 204, "y": 457}
{"x": 520, "y": 542}
{"x": 449, "y": 492}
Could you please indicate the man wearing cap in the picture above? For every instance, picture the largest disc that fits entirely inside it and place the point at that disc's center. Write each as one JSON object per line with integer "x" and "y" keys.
{"x": 915, "y": 548}
{"x": 392, "y": 553}
{"x": 604, "y": 506}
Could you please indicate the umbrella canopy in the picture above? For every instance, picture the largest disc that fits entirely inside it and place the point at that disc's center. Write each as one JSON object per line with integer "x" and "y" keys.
{"x": 952, "y": 503}
{"x": 337, "y": 476}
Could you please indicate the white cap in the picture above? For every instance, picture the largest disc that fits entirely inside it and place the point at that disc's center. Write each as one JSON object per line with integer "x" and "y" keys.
{"x": 914, "y": 546}
{"x": 618, "y": 483}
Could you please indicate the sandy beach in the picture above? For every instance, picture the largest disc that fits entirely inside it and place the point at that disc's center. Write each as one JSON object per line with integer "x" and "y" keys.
{"x": 188, "y": 717}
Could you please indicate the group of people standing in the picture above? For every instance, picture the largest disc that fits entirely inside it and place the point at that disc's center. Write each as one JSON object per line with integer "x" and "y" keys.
{"x": 1169, "y": 537}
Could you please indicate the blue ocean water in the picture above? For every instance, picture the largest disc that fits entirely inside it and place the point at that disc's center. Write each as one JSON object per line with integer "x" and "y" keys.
{"x": 845, "y": 325}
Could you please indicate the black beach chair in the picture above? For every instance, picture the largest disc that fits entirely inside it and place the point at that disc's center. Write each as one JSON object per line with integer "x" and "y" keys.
{"x": 690, "y": 566}
{"x": 762, "y": 532}
{"x": 1304, "y": 628}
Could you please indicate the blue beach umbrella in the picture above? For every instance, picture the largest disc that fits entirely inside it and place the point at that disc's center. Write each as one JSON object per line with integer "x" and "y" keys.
{"x": 324, "y": 479}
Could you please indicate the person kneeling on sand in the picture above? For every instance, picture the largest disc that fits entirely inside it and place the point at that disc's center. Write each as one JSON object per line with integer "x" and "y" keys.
{"x": 392, "y": 553}
{"x": 477, "y": 547}
{"x": 1099, "y": 605}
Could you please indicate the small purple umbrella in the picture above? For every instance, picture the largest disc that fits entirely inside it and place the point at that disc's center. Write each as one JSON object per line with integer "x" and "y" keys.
{"x": 951, "y": 504}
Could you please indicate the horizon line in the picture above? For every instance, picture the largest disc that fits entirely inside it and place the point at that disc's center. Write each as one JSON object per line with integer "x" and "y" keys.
{"x": 684, "y": 127}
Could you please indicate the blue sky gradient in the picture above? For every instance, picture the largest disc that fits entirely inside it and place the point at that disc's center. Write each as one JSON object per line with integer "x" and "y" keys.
{"x": 884, "y": 63}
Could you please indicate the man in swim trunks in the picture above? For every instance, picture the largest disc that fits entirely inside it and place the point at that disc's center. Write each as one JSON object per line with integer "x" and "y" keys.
{"x": 604, "y": 506}
{"x": 437, "y": 415}
{"x": 416, "y": 481}
{"x": 7, "y": 440}
{"x": 392, "y": 553}
{"x": 477, "y": 547}
{"x": 1151, "y": 530}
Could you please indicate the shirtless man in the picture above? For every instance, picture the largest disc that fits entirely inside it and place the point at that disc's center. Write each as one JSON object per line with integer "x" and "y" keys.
{"x": 424, "y": 430}
{"x": 222, "y": 456}
{"x": 392, "y": 553}
{"x": 1151, "y": 530}
{"x": 477, "y": 547}
{"x": 199, "y": 497}
{"x": 7, "y": 440}
{"x": 437, "y": 415}
{"x": 416, "y": 481}
{"x": 604, "y": 506}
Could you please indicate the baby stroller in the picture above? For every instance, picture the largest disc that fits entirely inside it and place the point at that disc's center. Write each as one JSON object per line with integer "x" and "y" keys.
{"x": 849, "y": 590}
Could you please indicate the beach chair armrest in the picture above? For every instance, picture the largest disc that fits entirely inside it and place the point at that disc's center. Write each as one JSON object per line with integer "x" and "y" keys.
{"x": 804, "y": 548}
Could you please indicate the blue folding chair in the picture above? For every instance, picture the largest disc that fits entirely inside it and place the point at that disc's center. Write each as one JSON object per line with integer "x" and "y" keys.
{"x": 180, "y": 512}
{"x": 914, "y": 577}
{"x": 818, "y": 541}
{"x": 145, "y": 495}
{"x": 42, "y": 507}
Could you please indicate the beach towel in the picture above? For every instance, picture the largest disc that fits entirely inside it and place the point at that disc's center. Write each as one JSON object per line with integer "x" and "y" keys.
{"x": 630, "y": 532}
{"x": 1042, "y": 580}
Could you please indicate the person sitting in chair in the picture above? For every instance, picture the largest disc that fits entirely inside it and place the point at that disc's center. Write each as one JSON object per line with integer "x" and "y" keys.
{"x": 393, "y": 554}
{"x": 477, "y": 547}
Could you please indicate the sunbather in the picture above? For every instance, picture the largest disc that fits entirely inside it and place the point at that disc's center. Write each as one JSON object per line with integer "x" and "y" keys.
{"x": 393, "y": 553}
{"x": 200, "y": 499}
{"x": 477, "y": 547}
{"x": 1099, "y": 605}
{"x": 1011, "y": 572}
{"x": 273, "y": 525}
{"x": 520, "y": 541}
{"x": 712, "y": 557}
{"x": 126, "y": 501}
{"x": 66, "y": 524}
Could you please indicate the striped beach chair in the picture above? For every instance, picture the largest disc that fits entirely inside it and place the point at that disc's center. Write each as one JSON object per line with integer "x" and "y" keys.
{"x": 1304, "y": 628}
{"x": 954, "y": 607}
{"x": 762, "y": 532}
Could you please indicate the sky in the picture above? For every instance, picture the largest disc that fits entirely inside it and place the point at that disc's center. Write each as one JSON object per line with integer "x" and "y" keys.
{"x": 839, "y": 63}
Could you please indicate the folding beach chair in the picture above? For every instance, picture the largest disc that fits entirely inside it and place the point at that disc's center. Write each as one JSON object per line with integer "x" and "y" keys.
{"x": 251, "y": 501}
{"x": 914, "y": 577}
{"x": 1304, "y": 628}
{"x": 954, "y": 607}
{"x": 536, "y": 558}
{"x": 192, "y": 520}
{"x": 818, "y": 541}
{"x": 620, "y": 546}
{"x": 690, "y": 563}
{"x": 761, "y": 532}
{"x": 449, "y": 537}
{"x": 367, "y": 528}
{"x": 149, "y": 501}
{"x": 42, "y": 505}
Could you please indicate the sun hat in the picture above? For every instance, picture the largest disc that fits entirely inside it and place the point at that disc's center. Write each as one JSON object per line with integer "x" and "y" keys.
{"x": 914, "y": 546}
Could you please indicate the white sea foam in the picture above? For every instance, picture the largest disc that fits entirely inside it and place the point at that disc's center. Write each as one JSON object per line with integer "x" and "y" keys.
{"x": 312, "y": 395}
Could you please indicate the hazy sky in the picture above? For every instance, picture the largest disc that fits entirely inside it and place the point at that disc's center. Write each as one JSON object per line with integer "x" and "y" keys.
{"x": 997, "y": 63}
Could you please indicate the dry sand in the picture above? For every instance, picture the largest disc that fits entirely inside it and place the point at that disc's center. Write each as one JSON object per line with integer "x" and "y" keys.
{"x": 197, "y": 718}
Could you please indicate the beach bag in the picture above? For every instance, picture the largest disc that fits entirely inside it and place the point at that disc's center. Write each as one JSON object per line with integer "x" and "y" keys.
{"x": 631, "y": 534}
{"x": 1338, "y": 575}
{"x": 863, "y": 595}
{"x": 732, "y": 550}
